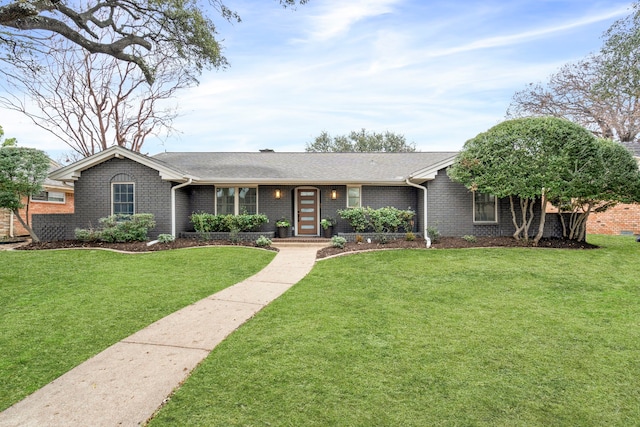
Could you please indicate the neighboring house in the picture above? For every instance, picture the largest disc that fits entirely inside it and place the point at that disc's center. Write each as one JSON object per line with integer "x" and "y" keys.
{"x": 622, "y": 218}
{"x": 56, "y": 198}
{"x": 302, "y": 187}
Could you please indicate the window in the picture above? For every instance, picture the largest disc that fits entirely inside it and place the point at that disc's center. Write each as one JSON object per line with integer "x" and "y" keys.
{"x": 123, "y": 198}
{"x": 236, "y": 200}
{"x": 48, "y": 196}
{"x": 485, "y": 208}
{"x": 353, "y": 197}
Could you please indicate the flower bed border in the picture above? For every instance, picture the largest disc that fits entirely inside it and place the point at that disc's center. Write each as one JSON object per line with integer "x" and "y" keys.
{"x": 244, "y": 236}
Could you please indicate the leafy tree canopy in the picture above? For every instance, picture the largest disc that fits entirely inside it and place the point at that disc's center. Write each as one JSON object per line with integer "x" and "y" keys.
{"x": 528, "y": 158}
{"x": 8, "y": 142}
{"x": 182, "y": 27}
{"x": 361, "y": 141}
{"x": 22, "y": 173}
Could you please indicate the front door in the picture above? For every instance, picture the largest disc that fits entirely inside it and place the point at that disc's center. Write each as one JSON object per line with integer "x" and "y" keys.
{"x": 307, "y": 211}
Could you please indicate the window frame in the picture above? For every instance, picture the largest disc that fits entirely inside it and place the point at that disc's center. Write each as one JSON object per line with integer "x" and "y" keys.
{"x": 113, "y": 202}
{"x": 359, "y": 188}
{"x": 236, "y": 197}
{"x": 47, "y": 198}
{"x": 495, "y": 209}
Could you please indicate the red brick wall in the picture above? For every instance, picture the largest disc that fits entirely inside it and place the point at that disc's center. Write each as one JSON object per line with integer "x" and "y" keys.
{"x": 4, "y": 223}
{"x": 36, "y": 207}
{"x": 617, "y": 220}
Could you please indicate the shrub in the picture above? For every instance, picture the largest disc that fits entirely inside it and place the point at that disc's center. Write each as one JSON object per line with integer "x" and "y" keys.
{"x": 119, "y": 228}
{"x": 356, "y": 217}
{"x": 382, "y": 238}
{"x": 248, "y": 222}
{"x": 433, "y": 233}
{"x": 166, "y": 238}
{"x": 283, "y": 222}
{"x": 469, "y": 238}
{"x": 233, "y": 235}
{"x": 209, "y": 223}
{"x": 387, "y": 219}
{"x": 263, "y": 241}
{"x": 126, "y": 228}
{"x": 383, "y": 220}
{"x": 338, "y": 242}
{"x": 87, "y": 235}
{"x": 409, "y": 237}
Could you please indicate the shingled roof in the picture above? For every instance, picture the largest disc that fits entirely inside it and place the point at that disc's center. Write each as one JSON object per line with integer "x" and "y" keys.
{"x": 328, "y": 168}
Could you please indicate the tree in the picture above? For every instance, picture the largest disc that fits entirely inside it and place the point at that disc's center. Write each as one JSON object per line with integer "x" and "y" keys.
{"x": 22, "y": 173}
{"x": 182, "y": 28}
{"x": 362, "y": 141}
{"x": 617, "y": 180}
{"x": 527, "y": 159}
{"x": 600, "y": 92}
{"x": 8, "y": 142}
{"x": 91, "y": 102}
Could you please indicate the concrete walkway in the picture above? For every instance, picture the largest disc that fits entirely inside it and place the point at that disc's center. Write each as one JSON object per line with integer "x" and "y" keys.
{"x": 125, "y": 384}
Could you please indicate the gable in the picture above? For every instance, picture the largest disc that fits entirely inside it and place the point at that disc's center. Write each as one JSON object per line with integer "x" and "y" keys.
{"x": 73, "y": 171}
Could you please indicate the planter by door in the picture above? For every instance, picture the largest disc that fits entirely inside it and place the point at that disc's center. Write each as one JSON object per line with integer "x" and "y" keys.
{"x": 328, "y": 232}
{"x": 283, "y": 232}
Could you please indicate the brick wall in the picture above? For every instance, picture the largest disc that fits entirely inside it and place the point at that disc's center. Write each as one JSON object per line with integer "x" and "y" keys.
{"x": 620, "y": 219}
{"x": 93, "y": 193}
{"x": 450, "y": 210}
{"x": 39, "y": 207}
{"x": 5, "y": 218}
{"x": 51, "y": 227}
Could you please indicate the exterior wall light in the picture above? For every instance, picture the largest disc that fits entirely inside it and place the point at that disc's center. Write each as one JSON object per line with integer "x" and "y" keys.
{"x": 334, "y": 194}
{"x": 278, "y": 193}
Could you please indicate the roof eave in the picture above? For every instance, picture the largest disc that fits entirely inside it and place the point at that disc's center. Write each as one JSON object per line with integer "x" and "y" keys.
{"x": 73, "y": 171}
{"x": 429, "y": 173}
{"x": 310, "y": 181}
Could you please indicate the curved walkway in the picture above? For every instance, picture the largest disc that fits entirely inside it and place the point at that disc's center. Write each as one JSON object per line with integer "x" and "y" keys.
{"x": 125, "y": 384}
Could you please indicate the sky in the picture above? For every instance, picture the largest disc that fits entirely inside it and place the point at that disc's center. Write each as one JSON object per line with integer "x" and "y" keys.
{"x": 438, "y": 72}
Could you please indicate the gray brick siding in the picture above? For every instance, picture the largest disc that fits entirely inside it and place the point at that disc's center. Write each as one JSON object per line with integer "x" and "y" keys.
{"x": 450, "y": 210}
{"x": 93, "y": 193}
{"x": 449, "y": 204}
{"x": 51, "y": 227}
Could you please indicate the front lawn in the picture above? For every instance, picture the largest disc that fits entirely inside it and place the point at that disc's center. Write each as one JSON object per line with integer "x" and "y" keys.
{"x": 478, "y": 337}
{"x": 59, "y": 308}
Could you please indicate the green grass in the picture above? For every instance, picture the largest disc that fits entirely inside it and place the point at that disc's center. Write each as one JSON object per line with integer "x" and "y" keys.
{"x": 478, "y": 337}
{"x": 59, "y": 308}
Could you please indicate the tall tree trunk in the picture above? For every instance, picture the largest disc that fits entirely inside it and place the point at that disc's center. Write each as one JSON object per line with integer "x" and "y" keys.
{"x": 543, "y": 217}
{"x": 519, "y": 228}
{"x": 26, "y": 226}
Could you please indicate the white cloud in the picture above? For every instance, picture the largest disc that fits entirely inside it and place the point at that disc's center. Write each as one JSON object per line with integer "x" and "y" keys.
{"x": 429, "y": 70}
{"x": 335, "y": 18}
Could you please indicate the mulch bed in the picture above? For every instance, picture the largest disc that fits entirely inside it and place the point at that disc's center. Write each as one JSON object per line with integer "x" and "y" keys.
{"x": 443, "y": 243}
{"x": 134, "y": 246}
{"x": 455, "y": 243}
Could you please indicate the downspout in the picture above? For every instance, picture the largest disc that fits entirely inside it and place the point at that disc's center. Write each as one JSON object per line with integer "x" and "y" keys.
{"x": 11, "y": 224}
{"x": 173, "y": 205}
{"x": 426, "y": 194}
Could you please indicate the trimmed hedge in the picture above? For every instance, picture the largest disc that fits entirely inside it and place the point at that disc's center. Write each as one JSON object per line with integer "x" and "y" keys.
{"x": 209, "y": 223}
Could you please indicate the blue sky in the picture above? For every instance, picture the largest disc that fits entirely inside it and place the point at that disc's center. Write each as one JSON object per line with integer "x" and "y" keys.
{"x": 438, "y": 72}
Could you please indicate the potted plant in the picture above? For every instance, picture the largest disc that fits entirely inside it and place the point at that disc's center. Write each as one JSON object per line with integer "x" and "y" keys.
{"x": 327, "y": 225}
{"x": 283, "y": 225}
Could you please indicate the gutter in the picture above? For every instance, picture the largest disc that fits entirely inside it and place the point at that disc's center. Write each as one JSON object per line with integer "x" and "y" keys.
{"x": 426, "y": 197}
{"x": 173, "y": 204}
